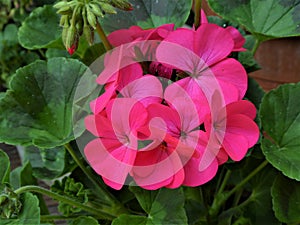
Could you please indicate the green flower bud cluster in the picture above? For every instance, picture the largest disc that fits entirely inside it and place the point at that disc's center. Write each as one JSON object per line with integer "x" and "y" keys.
{"x": 75, "y": 190}
{"x": 80, "y": 17}
{"x": 10, "y": 204}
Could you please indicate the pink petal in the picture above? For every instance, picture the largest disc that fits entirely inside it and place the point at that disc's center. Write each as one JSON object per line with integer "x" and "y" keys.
{"x": 203, "y": 17}
{"x": 180, "y": 100}
{"x": 101, "y": 102}
{"x": 126, "y": 115}
{"x": 123, "y": 36}
{"x": 113, "y": 166}
{"x": 212, "y": 43}
{"x": 147, "y": 90}
{"x": 177, "y": 180}
{"x": 241, "y": 124}
{"x": 168, "y": 122}
{"x": 116, "y": 61}
{"x": 236, "y": 146}
{"x": 241, "y": 134}
{"x": 194, "y": 177}
{"x": 178, "y": 53}
{"x": 238, "y": 39}
{"x": 154, "y": 170}
{"x": 90, "y": 124}
{"x": 193, "y": 89}
{"x": 129, "y": 74}
{"x": 231, "y": 71}
{"x": 222, "y": 157}
{"x": 242, "y": 107}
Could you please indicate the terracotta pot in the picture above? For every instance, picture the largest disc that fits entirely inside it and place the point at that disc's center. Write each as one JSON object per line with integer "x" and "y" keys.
{"x": 280, "y": 62}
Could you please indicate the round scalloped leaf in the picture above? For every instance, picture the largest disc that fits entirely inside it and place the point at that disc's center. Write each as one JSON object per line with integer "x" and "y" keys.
{"x": 40, "y": 29}
{"x": 265, "y": 19}
{"x": 286, "y": 200}
{"x": 280, "y": 118}
{"x": 37, "y": 110}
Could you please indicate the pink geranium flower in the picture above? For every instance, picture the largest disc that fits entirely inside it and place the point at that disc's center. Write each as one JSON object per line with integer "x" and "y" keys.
{"x": 112, "y": 154}
{"x": 234, "y": 128}
{"x": 202, "y": 54}
{"x": 172, "y": 159}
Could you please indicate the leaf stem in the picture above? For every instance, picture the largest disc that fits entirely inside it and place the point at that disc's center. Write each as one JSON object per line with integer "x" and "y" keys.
{"x": 224, "y": 183}
{"x": 197, "y": 11}
{"x": 67, "y": 200}
{"x": 103, "y": 37}
{"x": 221, "y": 198}
{"x": 109, "y": 197}
{"x": 255, "y": 47}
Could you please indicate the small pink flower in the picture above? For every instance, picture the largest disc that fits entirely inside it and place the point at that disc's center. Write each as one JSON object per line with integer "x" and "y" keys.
{"x": 112, "y": 154}
{"x": 202, "y": 54}
{"x": 234, "y": 128}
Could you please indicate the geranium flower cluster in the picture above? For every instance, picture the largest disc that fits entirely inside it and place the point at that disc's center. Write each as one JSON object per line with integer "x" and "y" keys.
{"x": 172, "y": 109}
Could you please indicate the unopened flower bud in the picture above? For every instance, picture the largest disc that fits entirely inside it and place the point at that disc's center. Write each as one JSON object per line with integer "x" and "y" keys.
{"x": 95, "y": 8}
{"x": 66, "y": 10}
{"x": 121, "y": 4}
{"x": 91, "y": 18}
{"x": 72, "y": 39}
{"x": 60, "y": 4}
{"x": 107, "y": 8}
{"x": 89, "y": 34}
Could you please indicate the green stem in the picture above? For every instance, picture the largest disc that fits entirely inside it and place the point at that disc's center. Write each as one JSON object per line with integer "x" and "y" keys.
{"x": 221, "y": 198}
{"x": 103, "y": 37}
{"x": 249, "y": 177}
{"x": 197, "y": 11}
{"x": 224, "y": 183}
{"x": 116, "y": 207}
{"x": 109, "y": 197}
{"x": 256, "y": 45}
{"x": 67, "y": 200}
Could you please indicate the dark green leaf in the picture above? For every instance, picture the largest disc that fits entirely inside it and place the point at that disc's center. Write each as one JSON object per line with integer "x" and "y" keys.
{"x": 161, "y": 205}
{"x": 22, "y": 176}
{"x": 194, "y": 204}
{"x": 255, "y": 202}
{"x": 265, "y": 19}
{"x": 259, "y": 210}
{"x": 254, "y": 93}
{"x": 54, "y": 52}
{"x": 92, "y": 53}
{"x": 4, "y": 168}
{"x": 132, "y": 220}
{"x": 84, "y": 220}
{"x": 40, "y": 29}
{"x": 46, "y": 163}
{"x": 280, "y": 117}
{"x": 37, "y": 110}
{"x": 286, "y": 199}
{"x": 149, "y": 14}
{"x": 29, "y": 214}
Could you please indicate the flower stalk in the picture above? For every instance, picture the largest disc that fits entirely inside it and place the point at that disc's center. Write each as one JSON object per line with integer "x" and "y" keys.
{"x": 222, "y": 197}
{"x": 197, "y": 11}
{"x": 103, "y": 37}
{"x": 95, "y": 211}
{"x": 116, "y": 205}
